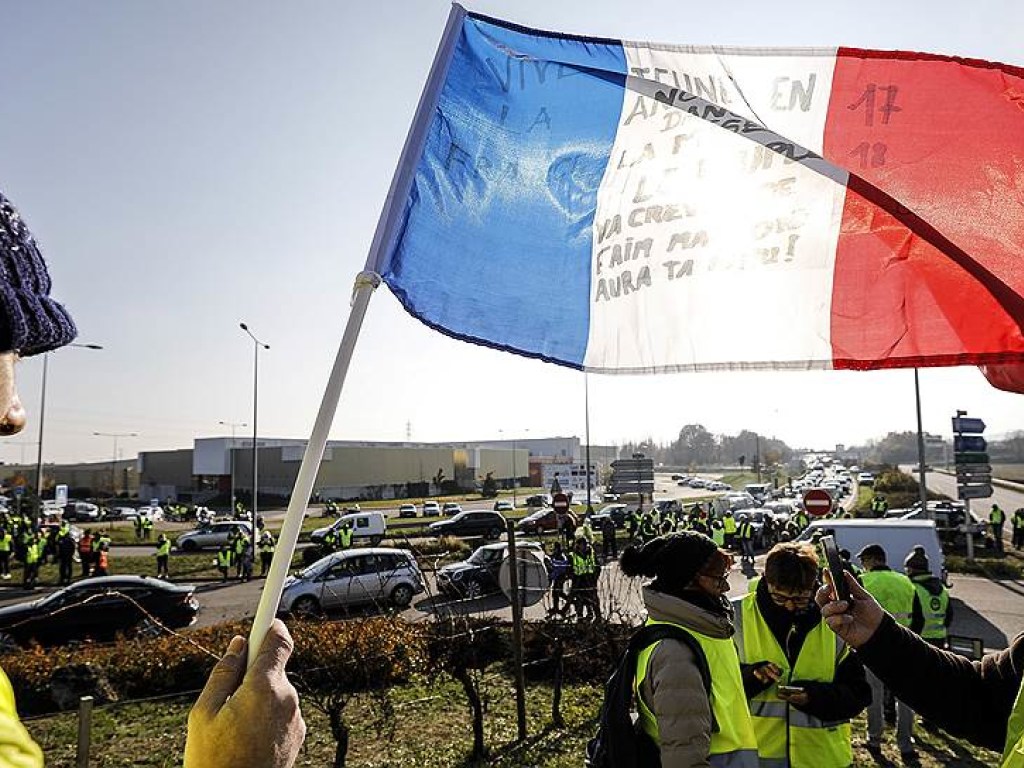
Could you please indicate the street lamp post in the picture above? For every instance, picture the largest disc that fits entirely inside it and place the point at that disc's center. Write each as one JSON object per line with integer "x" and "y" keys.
{"x": 231, "y": 459}
{"x": 42, "y": 421}
{"x": 257, "y": 344}
{"x": 113, "y": 460}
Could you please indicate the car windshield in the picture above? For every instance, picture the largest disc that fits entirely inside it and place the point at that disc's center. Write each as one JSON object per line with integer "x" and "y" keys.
{"x": 486, "y": 555}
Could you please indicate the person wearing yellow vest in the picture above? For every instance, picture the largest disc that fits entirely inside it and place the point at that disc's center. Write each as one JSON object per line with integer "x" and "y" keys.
{"x": 6, "y": 545}
{"x": 980, "y": 701}
{"x": 895, "y": 592}
{"x": 33, "y": 554}
{"x": 782, "y": 641}
{"x": 163, "y": 555}
{"x": 745, "y": 534}
{"x": 932, "y": 613}
{"x": 267, "y": 546}
{"x": 345, "y": 536}
{"x": 1018, "y": 528}
{"x": 996, "y": 520}
{"x": 729, "y": 528}
{"x": 688, "y": 727}
{"x": 583, "y": 590}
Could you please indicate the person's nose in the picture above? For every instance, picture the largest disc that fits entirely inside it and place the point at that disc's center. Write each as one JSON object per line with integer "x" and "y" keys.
{"x": 13, "y": 421}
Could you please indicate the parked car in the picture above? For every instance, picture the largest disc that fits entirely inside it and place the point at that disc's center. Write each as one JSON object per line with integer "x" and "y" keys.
{"x": 866, "y": 478}
{"x": 503, "y": 505}
{"x": 431, "y": 509}
{"x": 98, "y": 609}
{"x": 490, "y": 525}
{"x": 353, "y": 577}
{"x": 120, "y": 513}
{"x": 610, "y": 497}
{"x": 407, "y": 510}
{"x": 450, "y": 508}
{"x": 949, "y": 517}
{"x": 211, "y": 535}
{"x": 541, "y": 521}
{"x": 617, "y": 512}
{"x": 538, "y": 501}
{"x": 83, "y": 511}
{"x": 478, "y": 574}
{"x": 153, "y": 512}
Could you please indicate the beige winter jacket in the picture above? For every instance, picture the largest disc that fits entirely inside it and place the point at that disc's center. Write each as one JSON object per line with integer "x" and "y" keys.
{"x": 673, "y": 688}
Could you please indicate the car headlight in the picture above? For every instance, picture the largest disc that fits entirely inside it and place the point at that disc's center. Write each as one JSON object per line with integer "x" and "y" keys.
{"x": 457, "y": 576}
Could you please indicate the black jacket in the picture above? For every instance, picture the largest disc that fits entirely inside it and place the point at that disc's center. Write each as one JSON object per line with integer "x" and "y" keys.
{"x": 842, "y": 699}
{"x": 972, "y": 699}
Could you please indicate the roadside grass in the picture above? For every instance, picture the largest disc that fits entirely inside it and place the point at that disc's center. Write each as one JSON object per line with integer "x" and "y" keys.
{"x": 865, "y": 493}
{"x": 990, "y": 567}
{"x": 1012, "y": 472}
{"x": 431, "y": 727}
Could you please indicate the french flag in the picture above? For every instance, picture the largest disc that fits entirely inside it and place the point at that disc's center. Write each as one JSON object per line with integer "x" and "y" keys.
{"x": 630, "y": 207}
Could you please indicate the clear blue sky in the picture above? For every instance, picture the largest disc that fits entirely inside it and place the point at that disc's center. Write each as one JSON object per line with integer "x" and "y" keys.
{"x": 188, "y": 165}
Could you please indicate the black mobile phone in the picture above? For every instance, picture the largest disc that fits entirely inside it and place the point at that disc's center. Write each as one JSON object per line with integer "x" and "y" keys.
{"x": 791, "y": 690}
{"x": 834, "y": 563}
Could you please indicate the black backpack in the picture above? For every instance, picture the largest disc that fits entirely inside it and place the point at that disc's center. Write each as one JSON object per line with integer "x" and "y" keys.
{"x": 620, "y": 743}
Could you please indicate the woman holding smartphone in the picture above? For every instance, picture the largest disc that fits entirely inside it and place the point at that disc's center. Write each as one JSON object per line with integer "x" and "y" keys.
{"x": 687, "y": 728}
{"x": 802, "y": 682}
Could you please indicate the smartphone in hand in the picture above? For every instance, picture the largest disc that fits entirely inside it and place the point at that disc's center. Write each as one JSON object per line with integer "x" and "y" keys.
{"x": 834, "y": 563}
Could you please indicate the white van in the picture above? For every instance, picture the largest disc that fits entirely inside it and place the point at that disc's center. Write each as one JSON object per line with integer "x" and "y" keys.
{"x": 369, "y": 526}
{"x": 897, "y": 537}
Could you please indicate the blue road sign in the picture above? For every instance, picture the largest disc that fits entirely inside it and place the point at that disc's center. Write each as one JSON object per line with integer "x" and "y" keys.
{"x": 964, "y": 424}
{"x": 972, "y": 443}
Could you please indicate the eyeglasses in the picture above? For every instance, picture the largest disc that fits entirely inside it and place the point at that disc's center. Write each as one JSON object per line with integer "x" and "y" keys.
{"x": 795, "y": 601}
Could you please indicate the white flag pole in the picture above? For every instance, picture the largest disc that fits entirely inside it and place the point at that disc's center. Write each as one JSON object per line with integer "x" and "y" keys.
{"x": 365, "y": 284}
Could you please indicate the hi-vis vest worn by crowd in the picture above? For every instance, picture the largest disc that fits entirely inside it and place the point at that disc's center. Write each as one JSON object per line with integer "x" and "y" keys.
{"x": 733, "y": 745}
{"x": 1013, "y": 752}
{"x": 934, "y": 608}
{"x": 785, "y": 735}
{"x": 893, "y": 591}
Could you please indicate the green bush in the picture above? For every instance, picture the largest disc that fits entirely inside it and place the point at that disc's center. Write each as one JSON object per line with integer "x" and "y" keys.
{"x": 991, "y": 567}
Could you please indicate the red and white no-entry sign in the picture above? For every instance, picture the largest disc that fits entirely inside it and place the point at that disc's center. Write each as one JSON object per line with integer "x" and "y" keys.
{"x": 817, "y": 501}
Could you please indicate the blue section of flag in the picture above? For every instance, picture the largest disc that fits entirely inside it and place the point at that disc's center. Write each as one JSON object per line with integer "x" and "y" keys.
{"x": 495, "y": 242}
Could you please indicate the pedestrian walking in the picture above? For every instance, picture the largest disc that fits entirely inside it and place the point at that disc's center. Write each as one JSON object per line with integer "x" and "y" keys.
{"x": 65, "y": 557}
{"x": 163, "y": 556}
{"x": 85, "y": 553}
{"x": 1018, "y": 528}
{"x": 6, "y": 545}
{"x": 996, "y": 520}
{"x": 223, "y": 561}
{"x": 609, "y": 544}
{"x": 895, "y": 592}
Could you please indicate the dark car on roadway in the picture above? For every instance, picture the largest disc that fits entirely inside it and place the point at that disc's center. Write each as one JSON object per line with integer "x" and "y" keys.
{"x": 98, "y": 609}
{"x": 541, "y": 521}
{"x": 478, "y": 574}
{"x": 617, "y": 512}
{"x": 490, "y": 525}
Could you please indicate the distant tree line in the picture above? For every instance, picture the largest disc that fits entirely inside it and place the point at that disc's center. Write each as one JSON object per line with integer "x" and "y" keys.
{"x": 696, "y": 446}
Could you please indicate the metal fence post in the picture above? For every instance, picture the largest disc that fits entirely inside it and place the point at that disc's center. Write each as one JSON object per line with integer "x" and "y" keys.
{"x": 84, "y": 731}
{"x": 517, "y": 632}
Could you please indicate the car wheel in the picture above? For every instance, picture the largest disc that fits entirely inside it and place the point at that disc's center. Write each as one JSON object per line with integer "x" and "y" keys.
{"x": 376, "y": 540}
{"x": 472, "y": 589}
{"x": 494, "y": 534}
{"x": 189, "y": 546}
{"x": 401, "y": 595}
{"x": 307, "y": 607}
{"x": 8, "y": 644}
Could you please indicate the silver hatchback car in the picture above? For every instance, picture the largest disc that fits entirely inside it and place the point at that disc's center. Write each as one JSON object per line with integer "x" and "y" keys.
{"x": 353, "y": 577}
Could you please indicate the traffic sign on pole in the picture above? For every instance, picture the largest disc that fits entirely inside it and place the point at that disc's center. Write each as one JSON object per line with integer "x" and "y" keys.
{"x": 974, "y": 491}
{"x": 973, "y": 470}
{"x": 963, "y": 424}
{"x": 818, "y": 501}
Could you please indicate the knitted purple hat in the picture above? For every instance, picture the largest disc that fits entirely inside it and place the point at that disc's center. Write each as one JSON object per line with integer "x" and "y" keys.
{"x": 30, "y": 321}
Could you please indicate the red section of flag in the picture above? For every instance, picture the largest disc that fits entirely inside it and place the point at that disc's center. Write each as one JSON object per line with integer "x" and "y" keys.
{"x": 928, "y": 264}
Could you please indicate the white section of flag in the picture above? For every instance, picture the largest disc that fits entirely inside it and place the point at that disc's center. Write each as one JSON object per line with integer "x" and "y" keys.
{"x": 687, "y": 207}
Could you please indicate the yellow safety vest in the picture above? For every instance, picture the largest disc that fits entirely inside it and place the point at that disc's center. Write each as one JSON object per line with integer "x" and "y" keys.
{"x": 934, "y": 608}
{"x": 17, "y": 749}
{"x": 223, "y": 559}
{"x": 734, "y": 744}
{"x": 5, "y": 542}
{"x": 583, "y": 566}
{"x": 785, "y": 735}
{"x": 729, "y": 523}
{"x": 345, "y": 537}
{"x": 893, "y": 591}
{"x": 718, "y": 535}
{"x": 163, "y": 548}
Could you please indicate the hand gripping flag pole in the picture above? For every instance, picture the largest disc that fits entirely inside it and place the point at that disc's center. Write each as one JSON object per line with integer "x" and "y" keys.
{"x": 365, "y": 284}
